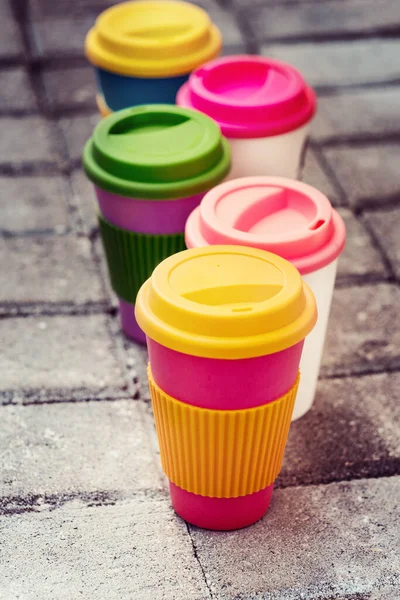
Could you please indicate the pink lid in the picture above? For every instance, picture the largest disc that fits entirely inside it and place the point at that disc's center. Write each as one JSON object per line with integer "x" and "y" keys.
{"x": 249, "y": 96}
{"x": 287, "y": 217}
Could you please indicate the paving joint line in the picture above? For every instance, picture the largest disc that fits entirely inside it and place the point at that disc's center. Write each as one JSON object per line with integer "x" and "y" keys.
{"x": 385, "y": 32}
{"x": 44, "y": 309}
{"x": 379, "y": 370}
{"x": 196, "y": 556}
{"x": 330, "y": 174}
{"x": 379, "y": 247}
{"x": 38, "y": 503}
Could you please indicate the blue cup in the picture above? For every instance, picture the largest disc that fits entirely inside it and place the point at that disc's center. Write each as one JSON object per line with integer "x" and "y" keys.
{"x": 144, "y": 51}
{"x": 120, "y": 91}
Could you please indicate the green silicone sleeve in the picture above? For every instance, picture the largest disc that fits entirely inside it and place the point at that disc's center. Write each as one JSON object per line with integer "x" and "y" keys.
{"x": 132, "y": 257}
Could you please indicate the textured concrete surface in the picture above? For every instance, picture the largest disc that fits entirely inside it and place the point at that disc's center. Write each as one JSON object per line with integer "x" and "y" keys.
{"x": 386, "y": 227}
{"x": 48, "y": 269}
{"x": 335, "y": 540}
{"x": 368, "y": 173}
{"x": 47, "y": 356}
{"x": 84, "y": 506}
{"x": 357, "y": 115}
{"x": 99, "y": 448}
{"x": 342, "y": 63}
{"x": 364, "y": 330}
{"x": 42, "y": 205}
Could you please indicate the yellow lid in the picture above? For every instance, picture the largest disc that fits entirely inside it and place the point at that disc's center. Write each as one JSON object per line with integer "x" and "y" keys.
{"x": 226, "y": 302}
{"x": 152, "y": 39}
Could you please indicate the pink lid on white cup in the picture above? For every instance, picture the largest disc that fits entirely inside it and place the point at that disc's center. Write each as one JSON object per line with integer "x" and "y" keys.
{"x": 284, "y": 216}
{"x": 250, "y": 96}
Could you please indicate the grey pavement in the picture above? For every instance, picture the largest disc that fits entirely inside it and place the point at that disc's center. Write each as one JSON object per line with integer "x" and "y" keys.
{"x": 84, "y": 506}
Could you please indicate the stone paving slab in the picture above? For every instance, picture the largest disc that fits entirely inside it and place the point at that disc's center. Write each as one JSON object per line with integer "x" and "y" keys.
{"x": 39, "y": 206}
{"x": 360, "y": 259}
{"x": 77, "y": 131}
{"x": 386, "y": 227}
{"x": 70, "y": 88}
{"x": 11, "y": 46}
{"x": 59, "y": 358}
{"x": 333, "y": 541}
{"x": 137, "y": 549}
{"x": 367, "y": 173}
{"x": 342, "y": 63}
{"x": 322, "y": 19}
{"x": 50, "y": 453}
{"x": 364, "y": 331}
{"x": 85, "y": 198}
{"x": 60, "y": 37}
{"x": 16, "y": 94}
{"x": 48, "y": 269}
{"x": 314, "y": 174}
{"x": 358, "y": 114}
{"x": 26, "y": 141}
{"x": 352, "y": 431}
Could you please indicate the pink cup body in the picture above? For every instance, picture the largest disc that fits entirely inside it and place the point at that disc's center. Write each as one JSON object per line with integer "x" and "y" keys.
{"x": 223, "y": 385}
{"x": 154, "y": 217}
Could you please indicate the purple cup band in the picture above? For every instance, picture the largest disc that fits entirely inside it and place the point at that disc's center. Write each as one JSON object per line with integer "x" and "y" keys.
{"x": 155, "y": 217}
{"x": 129, "y": 323}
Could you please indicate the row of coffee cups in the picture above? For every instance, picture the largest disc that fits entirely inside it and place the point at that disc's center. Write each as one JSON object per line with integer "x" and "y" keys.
{"x": 154, "y": 52}
{"x": 225, "y": 320}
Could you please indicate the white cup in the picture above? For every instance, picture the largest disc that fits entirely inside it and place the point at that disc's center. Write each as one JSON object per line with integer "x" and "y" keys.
{"x": 291, "y": 219}
{"x": 263, "y": 107}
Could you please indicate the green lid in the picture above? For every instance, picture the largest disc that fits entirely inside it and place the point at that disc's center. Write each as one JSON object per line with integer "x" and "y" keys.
{"x": 157, "y": 151}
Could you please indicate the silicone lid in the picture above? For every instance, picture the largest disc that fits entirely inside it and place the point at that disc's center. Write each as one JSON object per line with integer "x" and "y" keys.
{"x": 156, "y": 152}
{"x": 152, "y": 39}
{"x": 226, "y": 302}
{"x": 281, "y": 215}
{"x": 250, "y": 96}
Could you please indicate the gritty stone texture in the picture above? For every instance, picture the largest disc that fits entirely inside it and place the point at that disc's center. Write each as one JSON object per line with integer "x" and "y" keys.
{"x": 386, "y": 227}
{"x": 316, "y": 542}
{"x": 39, "y": 205}
{"x": 49, "y": 9}
{"x": 360, "y": 259}
{"x": 47, "y": 270}
{"x": 68, "y": 88}
{"x": 60, "y": 37}
{"x": 59, "y": 357}
{"x": 342, "y": 63}
{"x": 10, "y": 39}
{"x": 90, "y": 447}
{"x": 357, "y": 114}
{"x": 86, "y": 200}
{"x": 132, "y": 550}
{"x": 314, "y": 174}
{"x": 227, "y": 24}
{"x": 77, "y": 130}
{"x": 16, "y": 94}
{"x": 84, "y": 510}
{"x": 27, "y": 140}
{"x": 368, "y": 175}
{"x": 322, "y": 18}
{"x": 100, "y": 259}
{"x": 352, "y": 431}
{"x": 364, "y": 330}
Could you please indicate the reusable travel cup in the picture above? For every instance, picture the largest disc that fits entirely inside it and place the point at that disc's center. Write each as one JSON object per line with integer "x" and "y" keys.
{"x": 150, "y": 166}
{"x": 291, "y": 219}
{"x": 263, "y": 107}
{"x": 225, "y": 327}
{"x": 144, "y": 51}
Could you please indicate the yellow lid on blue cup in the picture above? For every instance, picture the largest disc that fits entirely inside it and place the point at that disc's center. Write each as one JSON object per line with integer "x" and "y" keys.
{"x": 152, "y": 39}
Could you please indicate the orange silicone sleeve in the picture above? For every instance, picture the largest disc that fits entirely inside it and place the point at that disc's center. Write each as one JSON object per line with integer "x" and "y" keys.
{"x": 221, "y": 453}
